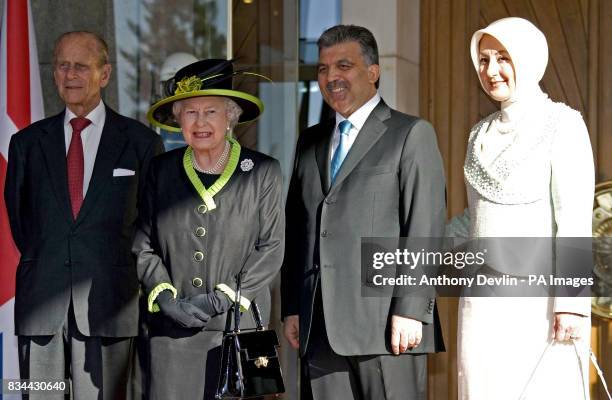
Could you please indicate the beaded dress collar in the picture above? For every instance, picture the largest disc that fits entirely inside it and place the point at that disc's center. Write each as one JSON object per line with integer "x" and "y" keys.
{"x": 518, "y": 174}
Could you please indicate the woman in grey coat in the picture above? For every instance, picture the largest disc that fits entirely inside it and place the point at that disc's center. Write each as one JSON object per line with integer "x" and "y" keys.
{"x": 210, "y": 210}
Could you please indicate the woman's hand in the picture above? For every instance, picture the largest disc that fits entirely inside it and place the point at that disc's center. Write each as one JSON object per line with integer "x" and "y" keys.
{"x": 183, "y": 313}
{"x": 213, "y": 303}
{"x": 568, "y": 326}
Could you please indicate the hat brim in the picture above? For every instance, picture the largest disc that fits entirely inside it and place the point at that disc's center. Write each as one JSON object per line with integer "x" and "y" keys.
{"x": 160, "y": 114}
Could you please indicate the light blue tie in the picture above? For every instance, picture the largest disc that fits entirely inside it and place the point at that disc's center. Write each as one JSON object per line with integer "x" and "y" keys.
{"x": 343, "y": 147}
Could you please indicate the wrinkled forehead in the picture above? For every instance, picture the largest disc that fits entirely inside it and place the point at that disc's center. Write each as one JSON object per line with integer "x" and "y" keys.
{"x": 200, "y": 103}
{"x": 204, "y": 101}
{"x": 349, "y": 50}
{"x": 76, "y": 45}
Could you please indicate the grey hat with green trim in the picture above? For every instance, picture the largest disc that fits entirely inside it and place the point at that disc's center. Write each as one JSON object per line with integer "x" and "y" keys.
{"x": 212, "y": 77}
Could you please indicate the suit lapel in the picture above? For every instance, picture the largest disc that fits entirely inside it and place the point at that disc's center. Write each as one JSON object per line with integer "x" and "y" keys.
{"x": 369, "y": 134}
{"x": 53, "y": 145}
{"x": 322, "y": 154}
{"x": 111, "y": 146}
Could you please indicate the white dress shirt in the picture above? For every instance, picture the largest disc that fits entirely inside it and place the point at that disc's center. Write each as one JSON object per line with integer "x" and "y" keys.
{"x": 90, "y": 137}
{"x": 357, "y": 120}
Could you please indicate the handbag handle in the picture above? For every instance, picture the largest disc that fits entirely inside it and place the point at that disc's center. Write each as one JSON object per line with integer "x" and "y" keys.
{"x": 592, "y": 358}
{"x": 237, "y": 302}
{"x": 599, "y": 372}
{"x": 236, "y": 309}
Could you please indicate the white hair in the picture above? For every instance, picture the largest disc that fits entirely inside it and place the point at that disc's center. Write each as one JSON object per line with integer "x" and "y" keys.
{"x": 177, "y": 106}
{"x": 232, "y": 112}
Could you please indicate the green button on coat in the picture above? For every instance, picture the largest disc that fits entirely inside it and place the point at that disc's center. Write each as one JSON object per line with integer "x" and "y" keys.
{"x": 198, "y": 256}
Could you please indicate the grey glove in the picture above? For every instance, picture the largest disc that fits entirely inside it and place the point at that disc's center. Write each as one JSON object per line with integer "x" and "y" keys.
{"x": 181, "y": 311}
{"x": 213, "y": 303}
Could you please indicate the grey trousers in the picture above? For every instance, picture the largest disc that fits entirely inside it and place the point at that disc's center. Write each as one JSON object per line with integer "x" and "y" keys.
{"x": 375, "y": 377}
{"x": 97, "y": 367}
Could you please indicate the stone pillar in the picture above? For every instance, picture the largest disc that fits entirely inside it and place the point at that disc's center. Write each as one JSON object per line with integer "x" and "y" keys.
{"x": 396, "y": 26}
{"x": 54, "y": 17}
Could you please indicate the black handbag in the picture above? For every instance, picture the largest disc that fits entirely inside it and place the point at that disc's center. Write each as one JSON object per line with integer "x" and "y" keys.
{"x": 249, "y": 358}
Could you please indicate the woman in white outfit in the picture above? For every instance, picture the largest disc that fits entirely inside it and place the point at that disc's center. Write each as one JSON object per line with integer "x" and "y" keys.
{"x": 529, "y": 173}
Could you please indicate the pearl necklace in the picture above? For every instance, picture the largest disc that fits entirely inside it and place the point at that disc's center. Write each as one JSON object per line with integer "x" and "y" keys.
{"x": 218, "y": 165}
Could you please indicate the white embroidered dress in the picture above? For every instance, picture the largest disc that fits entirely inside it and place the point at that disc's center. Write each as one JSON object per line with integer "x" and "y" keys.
{"x": 528, "y": 173}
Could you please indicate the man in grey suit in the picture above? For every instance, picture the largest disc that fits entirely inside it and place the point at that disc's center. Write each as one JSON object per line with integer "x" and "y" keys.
{"x": 370, "y": 171}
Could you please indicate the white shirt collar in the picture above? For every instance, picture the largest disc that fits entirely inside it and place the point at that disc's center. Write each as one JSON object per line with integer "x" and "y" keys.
{"x": 96, "y": 116}
{"x": 359, "y": 117}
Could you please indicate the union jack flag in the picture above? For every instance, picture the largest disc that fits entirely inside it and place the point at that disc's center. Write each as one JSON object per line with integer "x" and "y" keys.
{"x": 20, "y": 104}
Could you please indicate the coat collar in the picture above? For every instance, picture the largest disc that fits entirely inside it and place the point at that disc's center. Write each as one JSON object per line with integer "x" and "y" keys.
{"x": 369, "y": 134}
{"x": 322, "y": 153}
{"x": 53, "y": 146}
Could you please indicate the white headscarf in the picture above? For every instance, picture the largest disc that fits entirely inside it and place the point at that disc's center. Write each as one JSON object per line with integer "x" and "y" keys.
{"x": 528, "y": 50}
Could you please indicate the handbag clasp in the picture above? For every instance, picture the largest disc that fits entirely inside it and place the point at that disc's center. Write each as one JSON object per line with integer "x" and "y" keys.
{"x": 261, "y": 362}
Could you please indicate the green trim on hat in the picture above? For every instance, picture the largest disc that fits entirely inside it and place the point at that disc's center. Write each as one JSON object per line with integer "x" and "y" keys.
{"x": 241, "y": 97}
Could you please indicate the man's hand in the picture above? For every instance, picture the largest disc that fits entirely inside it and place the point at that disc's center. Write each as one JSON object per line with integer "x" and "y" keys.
{"x": 291, "y": 329}
{"x": 568, "y": 326}
{"x": 406, "y": 333}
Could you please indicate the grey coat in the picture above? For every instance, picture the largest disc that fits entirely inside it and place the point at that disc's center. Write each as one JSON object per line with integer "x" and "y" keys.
{"x": 244, "y": 231}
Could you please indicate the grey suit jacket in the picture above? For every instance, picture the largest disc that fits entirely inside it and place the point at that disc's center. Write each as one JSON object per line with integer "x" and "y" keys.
{"x": 390, "y": 184}
{"x": 88, "y": 260}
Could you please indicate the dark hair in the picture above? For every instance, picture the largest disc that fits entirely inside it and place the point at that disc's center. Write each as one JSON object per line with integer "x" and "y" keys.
{"x": 101, "y": 45}
{"x": 351, "y": 33}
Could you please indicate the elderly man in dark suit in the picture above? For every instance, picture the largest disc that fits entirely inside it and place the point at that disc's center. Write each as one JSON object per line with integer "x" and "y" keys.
{"x": 370, "y": 171}
{"x": 72, "y": 191}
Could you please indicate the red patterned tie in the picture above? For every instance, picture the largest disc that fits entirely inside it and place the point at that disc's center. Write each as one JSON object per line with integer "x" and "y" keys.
{"x": 76, "y": 164}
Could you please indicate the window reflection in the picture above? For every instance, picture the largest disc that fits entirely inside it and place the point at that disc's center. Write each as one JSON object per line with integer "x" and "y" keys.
{"x": 149, "y": 34}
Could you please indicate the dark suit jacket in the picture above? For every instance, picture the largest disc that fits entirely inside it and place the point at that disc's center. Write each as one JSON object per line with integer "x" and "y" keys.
{"x": 89, "y": 257}
{"x": 245, "y": 231}
{"x": 390, "y": 184}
